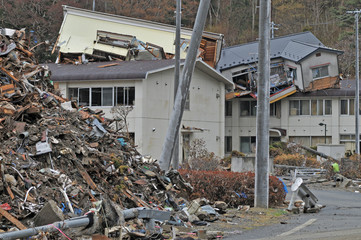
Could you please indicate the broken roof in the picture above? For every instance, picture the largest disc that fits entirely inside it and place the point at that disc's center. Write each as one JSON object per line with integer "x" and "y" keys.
{"x": 122, "y": 70}
{"x": 347, "y": 89}
{"x": 294, "y": 47}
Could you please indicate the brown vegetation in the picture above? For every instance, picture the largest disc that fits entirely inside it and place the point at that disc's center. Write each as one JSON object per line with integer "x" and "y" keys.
{"x": 233, "y": 188}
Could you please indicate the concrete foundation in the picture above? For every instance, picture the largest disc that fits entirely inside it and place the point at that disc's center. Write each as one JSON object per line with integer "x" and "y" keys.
{"x": 247, "y": 164}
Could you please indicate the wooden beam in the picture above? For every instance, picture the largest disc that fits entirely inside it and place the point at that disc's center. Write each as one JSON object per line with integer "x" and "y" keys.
{"x": 12, "y": 219}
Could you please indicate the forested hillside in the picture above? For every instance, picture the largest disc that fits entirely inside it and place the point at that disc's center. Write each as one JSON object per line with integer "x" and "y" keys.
{"x": 236, "y": 19}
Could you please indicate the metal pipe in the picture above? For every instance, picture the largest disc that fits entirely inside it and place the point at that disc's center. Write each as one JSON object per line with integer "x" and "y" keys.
{"x": 263, "y": 91}
{"x": 70, "y": 223}
{"x": 183, "y": 88}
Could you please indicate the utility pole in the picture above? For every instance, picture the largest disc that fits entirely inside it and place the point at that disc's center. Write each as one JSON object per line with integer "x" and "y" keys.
{"x": 273, "y": 28}
{"x": 263, "y": 91}
{"x": 93, "y": 5}
{"x": 357, "y": 90}
{"x": 175, "y": 162}
{"x": 183, "y": 88}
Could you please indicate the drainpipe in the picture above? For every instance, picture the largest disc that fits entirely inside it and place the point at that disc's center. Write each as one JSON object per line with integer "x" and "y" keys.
{"x": 303, "y": 81}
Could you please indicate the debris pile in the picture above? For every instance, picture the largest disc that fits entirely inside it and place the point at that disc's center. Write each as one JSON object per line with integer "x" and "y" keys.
{"x": 59, "y": 162}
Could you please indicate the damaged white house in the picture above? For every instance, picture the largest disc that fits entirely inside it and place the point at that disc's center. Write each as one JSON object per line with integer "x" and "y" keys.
{"x": 110, "y": 60}
{"x": 307, "y": 95}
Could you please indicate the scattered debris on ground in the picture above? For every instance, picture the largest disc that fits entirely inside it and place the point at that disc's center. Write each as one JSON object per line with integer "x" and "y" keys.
{"x": 66, "y": 172}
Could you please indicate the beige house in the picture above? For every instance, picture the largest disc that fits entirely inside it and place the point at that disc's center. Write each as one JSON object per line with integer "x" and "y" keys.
{"x": 101, "y": 36}
{"x": 148, "y": 86}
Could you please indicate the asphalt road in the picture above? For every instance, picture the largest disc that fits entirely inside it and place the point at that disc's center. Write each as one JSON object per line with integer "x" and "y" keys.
{"x": 340, "y": 219}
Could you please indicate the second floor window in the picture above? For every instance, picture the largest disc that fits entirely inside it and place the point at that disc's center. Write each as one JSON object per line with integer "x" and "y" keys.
{"x": 248, "y": 108}
{"x": 320, "y": 72}
{"x": 310, "y": 107}
{"x": 228, "y": 108}
{"x": 321, "y": 107}
{"x": 347, "y": 107}
{"x": 299, "y": 107}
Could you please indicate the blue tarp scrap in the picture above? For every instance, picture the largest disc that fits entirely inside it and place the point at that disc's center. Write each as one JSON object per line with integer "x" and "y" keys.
{"x": 284, "y": 185}
{"x": 122, "y": 142}
{"x": 242, "y": 195}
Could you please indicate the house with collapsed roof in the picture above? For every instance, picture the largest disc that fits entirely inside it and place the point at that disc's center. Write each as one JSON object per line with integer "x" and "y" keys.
{"x": 141, "y": 76}
{"x": 307, "y": 95}
{"x": 95, "y": 36}
{"x": 148, "y": 88}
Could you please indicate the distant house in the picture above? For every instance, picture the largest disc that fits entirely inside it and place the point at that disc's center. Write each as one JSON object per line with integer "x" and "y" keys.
{"x": 298, "y": 61}
{"x": 306, "y": 91}
{"x": 88, "y": 35}
{"x": 148, "y": 86}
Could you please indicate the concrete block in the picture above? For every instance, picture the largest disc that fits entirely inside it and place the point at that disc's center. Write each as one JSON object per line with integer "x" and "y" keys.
{"x": 48, "y": 214}
{"x": 193, "y": 207}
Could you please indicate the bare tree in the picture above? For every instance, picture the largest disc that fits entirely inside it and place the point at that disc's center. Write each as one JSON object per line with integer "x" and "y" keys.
{"x": 120, "y": 114}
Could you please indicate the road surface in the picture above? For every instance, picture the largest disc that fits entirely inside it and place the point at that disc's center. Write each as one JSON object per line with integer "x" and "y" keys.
{"x": 340, "y": 219}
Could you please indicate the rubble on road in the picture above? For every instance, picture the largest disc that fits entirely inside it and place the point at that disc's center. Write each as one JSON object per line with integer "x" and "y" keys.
{"x": 60, "y": 163}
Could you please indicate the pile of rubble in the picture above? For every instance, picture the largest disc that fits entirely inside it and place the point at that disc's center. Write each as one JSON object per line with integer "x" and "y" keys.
{"x": 65, "y": 167}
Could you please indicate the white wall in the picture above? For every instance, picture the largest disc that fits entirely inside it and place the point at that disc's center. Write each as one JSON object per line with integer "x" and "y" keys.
{"x": 206, "y": 111}
{"x": 154, "y": 104}
{"x": 312, "y": 60}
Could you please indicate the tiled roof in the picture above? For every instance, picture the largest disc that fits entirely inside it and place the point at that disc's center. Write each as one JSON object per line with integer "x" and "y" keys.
{"x": 294, "y": 47}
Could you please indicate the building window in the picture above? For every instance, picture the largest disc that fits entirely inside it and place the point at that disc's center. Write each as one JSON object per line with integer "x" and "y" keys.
{"x": 248, "y": 144}
{"x": 347, "y": 107}
{"x": 125, "y": 96}
{"x": 102, "y": 96}
{"x": 84, "y": 98}
{"x": 275, "y": 109}
{"x": 228, "y": 143}
{"x": 95, "y": 97}
{"x": 320, "y": 72}
{"x": 299, "y": 107}
{"x": 248, "y": 108}
{"x": 321, "y": 107}
{"x": 73, "y": 94}
{"x": 228, "y": 108}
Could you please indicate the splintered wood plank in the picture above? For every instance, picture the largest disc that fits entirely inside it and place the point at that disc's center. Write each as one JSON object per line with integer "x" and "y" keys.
{"x": 11, "y": 194}
{"x": 87, "y": 178}
{"x": 12, "y": 219}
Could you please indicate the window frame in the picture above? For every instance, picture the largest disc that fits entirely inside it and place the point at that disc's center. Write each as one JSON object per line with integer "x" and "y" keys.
{"x": 319, "y": 69}
{"x": 127, "y": 101}
{"x": 228, "y": 144}
{"x": 252, "y": 108}
{"x": 103, "y": 98}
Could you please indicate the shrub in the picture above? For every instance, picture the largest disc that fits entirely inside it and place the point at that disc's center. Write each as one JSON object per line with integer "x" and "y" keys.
{"x": 296, "y": 160}
{"x": 233, "y": 188}
{"x": 199, "y": 157}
